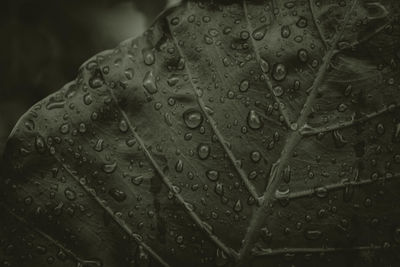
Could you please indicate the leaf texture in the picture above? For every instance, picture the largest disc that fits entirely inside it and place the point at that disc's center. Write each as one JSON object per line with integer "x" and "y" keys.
{"x": 240, "y": 133}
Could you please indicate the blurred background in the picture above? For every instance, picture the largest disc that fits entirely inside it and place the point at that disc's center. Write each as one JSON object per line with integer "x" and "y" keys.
{"x": 43, "y": 43}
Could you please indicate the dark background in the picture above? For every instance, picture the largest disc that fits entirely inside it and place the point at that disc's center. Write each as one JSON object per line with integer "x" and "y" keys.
{"x": 43, "y": 43}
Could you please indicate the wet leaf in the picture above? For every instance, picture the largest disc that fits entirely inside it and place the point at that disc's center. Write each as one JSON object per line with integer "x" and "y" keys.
{"x": 253, "y": 133}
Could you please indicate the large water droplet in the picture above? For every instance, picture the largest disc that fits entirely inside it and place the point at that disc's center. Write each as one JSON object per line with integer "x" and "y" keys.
{"x": 149, "y": 83}
{"x": 192, "y": 118}
{"x": 253, "y": 120}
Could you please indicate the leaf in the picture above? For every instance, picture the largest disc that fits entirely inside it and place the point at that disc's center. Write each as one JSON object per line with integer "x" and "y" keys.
{"x": 251, "y": 133}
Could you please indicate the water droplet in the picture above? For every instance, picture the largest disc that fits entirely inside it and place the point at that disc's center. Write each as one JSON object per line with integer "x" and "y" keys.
{"x": 278, "y": 91}
{"x": 244, "y": 86}
{"x": 219, "y": 189}
{"x": 40, "y": 144}
{"x": 285, "y": 31}
{"x": 110, "y": 168}
{"x": 149, "y": 83}
{"x": 244, "y": 35}
{"x": 279, "y": 72}
{"x": 253, "y": 120}
{"x": 238, "y": 206}
{"x": 212, "y": 175}
{"x": 321, "y": 192}
{"x": 302, "y": 22}
{"x": 338, "y": 139}
{"x": 129, "y": 73}
{"x": 380, "y": 129}
{"x": 259, "y": 33}
{"x": 302, "y": 55}
{"x": 137, "y": 180}
{"x": 148, "y": 57}
{"x": 192, "y": 118}
{"x": 179, "y": 166}
{"x": 117, "y": 194}
{"x": 87, "y": 99}
{"x": 99, "y": 145}
{"x": 95, "y": 82}
{"x": 255, "y": 156}
{"x": 264, "y": 65}
{"x": 123, "y": 126}
{"x": 203, "y": 150}
{"x": 179, "y": 239}
{"x": 312, "y": 234}
{"x": 64, "y": 129}
{"x": 69, "y": 194}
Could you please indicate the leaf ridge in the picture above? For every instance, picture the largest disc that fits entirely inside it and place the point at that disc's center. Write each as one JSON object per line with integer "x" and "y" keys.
{"x": 258, "y": 59}
{"x": 307, "y": 130}
{"x": 193, "y": 215}
{"x": 243, "y": 176}
{"x": 317, "y": 25}
{"x": 337, "y": 186}
{"x": 119, "y": 221}
{"x": 292, "y": 141}
{"x": 273, "y": 252}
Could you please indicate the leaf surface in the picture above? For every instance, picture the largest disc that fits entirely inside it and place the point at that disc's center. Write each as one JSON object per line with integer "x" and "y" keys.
{"x": 229, "y": 134}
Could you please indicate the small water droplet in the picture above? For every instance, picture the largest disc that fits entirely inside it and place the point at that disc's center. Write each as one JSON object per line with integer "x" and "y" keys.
{"x": 148, "y": 57}
{"x": 244, "y": 86}
{"x": 238, "y": 206}
{"x": 285, "y": 31}
{"x": 117, "y": 194}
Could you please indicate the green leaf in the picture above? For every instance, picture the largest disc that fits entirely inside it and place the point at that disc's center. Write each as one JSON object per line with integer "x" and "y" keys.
{"x": 249, "y": 133}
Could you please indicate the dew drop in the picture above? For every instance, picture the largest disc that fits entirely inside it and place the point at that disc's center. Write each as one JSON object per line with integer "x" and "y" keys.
{"x": 255, "y": 156}
{"x": 179, "y": 166}
{"x": 40, "y": 144}
{"x": 238, "y": 206}
{"x": 129, "y": 73}
{"x": 244, "y": 86}
{"x": 149, "y": 83}
{"x": 212, "y": 175}
{"x": 69, "y": 194}
{"x": 64, "y": 129}
{"x": 117, "y": 194}
{"x": 279, "y": 72}
{"x": 99, "y": 145}
{"x": 285, "y": 31}
{"x": 253, "y": 120}
{"x": 110, "y": 168}
{"x": 123, "y": 126}
{"x": 148, "y": 57}
{"x": 192, "y": 118}
{"x": 203, "y": 150}
{"x": 302, "y": 55}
